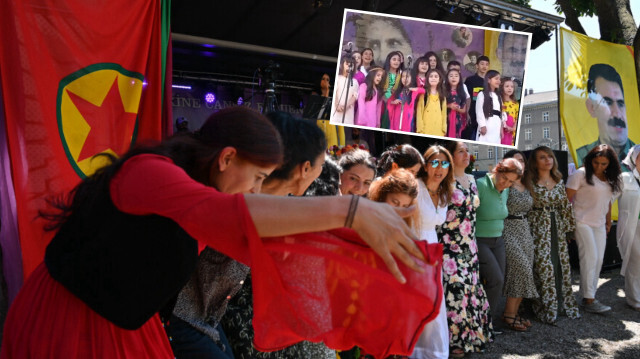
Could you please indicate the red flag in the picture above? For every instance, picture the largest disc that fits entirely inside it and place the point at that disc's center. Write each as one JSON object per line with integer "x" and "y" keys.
{"x": 331, "y": 287}
{"x": 78, "y": 79}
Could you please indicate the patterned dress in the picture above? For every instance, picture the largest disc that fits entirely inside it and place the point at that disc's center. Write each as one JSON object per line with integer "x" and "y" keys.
{"x": 237, "y": 326}
{"x": 468, "y": 316}
{"x": 511, "y": 108}
{"x": 519, "y": 249}
{"x": 550, "y": 220}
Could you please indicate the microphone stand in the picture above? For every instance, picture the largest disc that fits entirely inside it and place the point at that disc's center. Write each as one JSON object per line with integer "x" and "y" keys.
{"x": 346, "y": 99}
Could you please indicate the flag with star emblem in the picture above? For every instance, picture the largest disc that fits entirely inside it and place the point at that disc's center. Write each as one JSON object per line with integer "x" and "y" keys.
{"x": 77, "y": 79}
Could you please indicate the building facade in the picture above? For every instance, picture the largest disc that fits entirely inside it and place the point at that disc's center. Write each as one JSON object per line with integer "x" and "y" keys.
{"x": 539, "y": 125}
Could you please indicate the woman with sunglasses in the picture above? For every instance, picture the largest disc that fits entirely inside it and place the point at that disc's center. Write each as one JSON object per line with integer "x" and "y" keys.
{"x": 493, "y": 190}
{"x": 435, "y": 188}
{"x": 465, "y": 299}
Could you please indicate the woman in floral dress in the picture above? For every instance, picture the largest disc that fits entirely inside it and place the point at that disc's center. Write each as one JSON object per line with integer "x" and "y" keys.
{"x": 468, "y": 316}
{"x": 550, "y": 219}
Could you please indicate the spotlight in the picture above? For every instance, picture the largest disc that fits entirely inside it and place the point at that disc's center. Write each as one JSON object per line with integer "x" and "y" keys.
{"x": 240, "y": 101}
{"x": 209, "y": 97}
{"x": 540, "y": 36}
{"x": 182, "y": 87}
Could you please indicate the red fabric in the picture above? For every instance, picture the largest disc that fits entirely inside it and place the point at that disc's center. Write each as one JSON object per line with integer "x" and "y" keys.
{"x": 57, "y": 114}
{"x": 152, "y": 184}
{"x": 46, "y": 321}
{"x": 331, "y": 287}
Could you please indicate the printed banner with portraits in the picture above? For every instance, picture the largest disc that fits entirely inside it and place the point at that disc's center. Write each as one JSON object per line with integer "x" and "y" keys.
{"x": 598, "y": 95}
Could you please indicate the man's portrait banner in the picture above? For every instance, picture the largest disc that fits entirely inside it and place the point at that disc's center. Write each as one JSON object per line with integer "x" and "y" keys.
{"x": 598, "y": 95}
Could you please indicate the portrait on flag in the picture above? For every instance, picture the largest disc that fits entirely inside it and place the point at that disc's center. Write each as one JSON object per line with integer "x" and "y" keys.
{"x": 598, "y": 95}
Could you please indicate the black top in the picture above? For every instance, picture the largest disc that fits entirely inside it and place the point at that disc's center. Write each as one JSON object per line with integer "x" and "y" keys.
{"x": 474, "y": 84}
{"x": 125, "y": 267}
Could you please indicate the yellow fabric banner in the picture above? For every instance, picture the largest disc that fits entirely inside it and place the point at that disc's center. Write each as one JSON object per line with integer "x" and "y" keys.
{"x": 598, "y": 95}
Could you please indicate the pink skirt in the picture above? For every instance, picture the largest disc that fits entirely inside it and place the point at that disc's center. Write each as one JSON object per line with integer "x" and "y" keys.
{"x": 47, "y": 321}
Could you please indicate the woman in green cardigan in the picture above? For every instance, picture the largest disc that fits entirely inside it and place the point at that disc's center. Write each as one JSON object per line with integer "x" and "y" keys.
{"x": 493, "y": 190}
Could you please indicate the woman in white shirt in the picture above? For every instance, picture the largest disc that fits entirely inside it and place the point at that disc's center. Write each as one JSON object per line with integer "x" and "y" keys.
{"x": 591, "y": 189}
{"x": 435, "y": 188}
{"x": 628, "y": 230}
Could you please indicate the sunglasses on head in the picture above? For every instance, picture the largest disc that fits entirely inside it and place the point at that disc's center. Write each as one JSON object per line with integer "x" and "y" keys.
{"x": 436, "y": 163}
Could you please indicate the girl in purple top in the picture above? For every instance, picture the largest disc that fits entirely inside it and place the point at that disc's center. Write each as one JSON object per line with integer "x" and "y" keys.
{"x": 370, "y": 99}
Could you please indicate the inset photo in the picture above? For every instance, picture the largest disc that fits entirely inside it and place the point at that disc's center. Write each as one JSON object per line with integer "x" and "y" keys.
{"x": 429, "y": 78}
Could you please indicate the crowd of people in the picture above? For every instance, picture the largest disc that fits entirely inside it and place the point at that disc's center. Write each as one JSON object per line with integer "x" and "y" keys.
{"x": 150, "y": 258}
{"x": 426, "y": 98}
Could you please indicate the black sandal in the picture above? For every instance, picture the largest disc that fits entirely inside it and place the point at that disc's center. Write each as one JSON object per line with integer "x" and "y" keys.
{"x": 514, "y": 324}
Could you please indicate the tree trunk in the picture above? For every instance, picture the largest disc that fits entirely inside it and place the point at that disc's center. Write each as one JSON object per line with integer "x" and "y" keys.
{"x": 571, "y": 16}
{"x": 616, "y": 22}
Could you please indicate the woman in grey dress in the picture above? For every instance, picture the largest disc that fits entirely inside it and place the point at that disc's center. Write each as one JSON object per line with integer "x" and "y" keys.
{"x": 519, "y": 249}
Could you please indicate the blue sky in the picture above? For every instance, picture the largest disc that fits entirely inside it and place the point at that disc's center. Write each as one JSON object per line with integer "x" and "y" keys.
{"x": 542, "y": 66}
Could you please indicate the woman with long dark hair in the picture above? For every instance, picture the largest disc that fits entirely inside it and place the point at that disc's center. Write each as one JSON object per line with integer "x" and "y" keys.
{"x": 550, "y": 219}
{"x": 128, "y": 236}
{"x": 304, "y": 157}
{"x": 591, "y": 189}
{"x": 518, "y": 244}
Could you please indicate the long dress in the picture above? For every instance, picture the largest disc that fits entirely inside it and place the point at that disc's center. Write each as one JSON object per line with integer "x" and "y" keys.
{"x": 493, "y": 123}
{"x": 511, "y": 108}
{"x": 519, "y": 249}
{"x": 457, "y": 120}
{"x": 550, "y": 220}
{"x": 404, "y": 122}
{"x": 368, "y": 111}
{"x": 467, "y": 306}
{"x": 434, "y": 339}
{"x": 431, "y": 116}
{"x": 390, "y": 86}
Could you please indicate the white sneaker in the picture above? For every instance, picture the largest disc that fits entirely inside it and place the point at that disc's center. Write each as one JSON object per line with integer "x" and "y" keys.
{"x": 595, "y": 307}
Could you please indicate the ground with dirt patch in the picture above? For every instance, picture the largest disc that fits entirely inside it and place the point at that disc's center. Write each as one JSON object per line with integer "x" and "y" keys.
{"x": 615, "y": 334}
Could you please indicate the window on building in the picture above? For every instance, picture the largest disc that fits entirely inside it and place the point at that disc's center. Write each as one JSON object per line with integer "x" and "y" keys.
{"x": 475, "y": 154}
{"x": 527, "y": 118}
{"x": 545, "y": 116}
{"x": 564, "y": 146}
{"x": 490, "y": 152}
{"x": 562, "y": 131}
{"x": 528, "y": 147}
{"x": 546, "y": 132}
{"x": 504, "y": 151}
{"x": 527, "y": 134}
